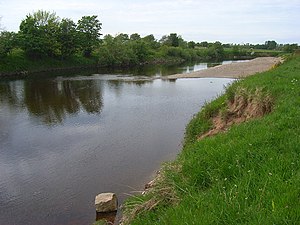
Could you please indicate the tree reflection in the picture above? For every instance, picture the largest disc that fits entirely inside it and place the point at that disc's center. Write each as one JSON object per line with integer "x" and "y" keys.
{"x": 53, "y": 100}
{"x": 88, "y": 93}
{"x": 9, "y": 93}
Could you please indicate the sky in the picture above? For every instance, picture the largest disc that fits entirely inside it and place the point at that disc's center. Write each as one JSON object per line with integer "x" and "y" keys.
{"x": 228, "y": 21}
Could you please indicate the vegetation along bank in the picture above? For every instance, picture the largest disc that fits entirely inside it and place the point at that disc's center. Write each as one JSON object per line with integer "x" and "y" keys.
{"x": 46, "y": 42}
{"x": 240, "y": 162}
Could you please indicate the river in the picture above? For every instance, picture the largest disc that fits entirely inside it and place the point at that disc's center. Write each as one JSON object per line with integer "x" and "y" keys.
{"x": 66, "y": 138}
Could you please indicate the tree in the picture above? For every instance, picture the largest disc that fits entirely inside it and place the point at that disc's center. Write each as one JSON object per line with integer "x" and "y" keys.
{"x": 122, "y": 38}
{"x": 7, "y": 40}
{"x": 38, "y": 34}
{"x": 172, "y": 40}
{"x": 89, "y": 31}
{"x": 135, "y": 37}
{"x": 235, "y": 50}
{"x": 290, "y": 47}
{"x": 68, "y": 38}
{"x": 191, "y": 44}
{"x": 204, "y": 44}
{"x": 271, "y": 45}
{"x": 141, "y": 50}
{"x": 151, "y": 41}
{"x": 216, "y": 50}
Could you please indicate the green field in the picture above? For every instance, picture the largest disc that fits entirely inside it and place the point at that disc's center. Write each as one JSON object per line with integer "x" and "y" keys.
{"x": 249, "y": 174}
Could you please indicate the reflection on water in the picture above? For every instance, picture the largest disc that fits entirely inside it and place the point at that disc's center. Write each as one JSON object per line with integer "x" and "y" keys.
{"x": 106, "y": 218}
{"x": 165, "y": 70}
{"x": 9, "y": 92}
{"x": 51, "y": 101}
{"x": 63, "y": 140}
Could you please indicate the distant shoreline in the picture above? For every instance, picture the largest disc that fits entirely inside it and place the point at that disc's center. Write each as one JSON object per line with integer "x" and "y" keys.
{"x": 233, "y": 70}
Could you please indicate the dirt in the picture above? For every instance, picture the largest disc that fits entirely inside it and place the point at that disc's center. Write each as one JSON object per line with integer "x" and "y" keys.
{"x": 245, "y": 106}
{"x": 233, "y": 70}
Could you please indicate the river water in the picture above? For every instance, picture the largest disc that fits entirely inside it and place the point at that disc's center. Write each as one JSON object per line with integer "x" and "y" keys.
{"x": 66, "y": 138}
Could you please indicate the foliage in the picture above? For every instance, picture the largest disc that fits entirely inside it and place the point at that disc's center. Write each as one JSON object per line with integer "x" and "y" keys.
{"x": 17, "y": 62}
{"x": 216, "y": 51}
{"x": 172, "y": 40}
{"x": 151, "y": 42}
{"x": 43, "y": 34}
{"x": 123, "y": 51}
{"x": 271, "y": 45}
{"x": 290, "y": 47}
{"x": 37, "y": 34}
{"x": 7, "y": 40}
{"x": 191, "y": 44}
{"x": 135, "y": 37}
{"x": 89, "y": 32}
{"x": 68, "y": 38}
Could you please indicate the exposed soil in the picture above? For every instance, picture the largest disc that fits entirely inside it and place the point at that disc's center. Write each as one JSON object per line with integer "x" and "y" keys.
{"x": 233, "y": 70}
{"x": 244, "y": 106}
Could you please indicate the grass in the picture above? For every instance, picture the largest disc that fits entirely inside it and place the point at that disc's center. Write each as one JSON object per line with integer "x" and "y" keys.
{"x": 100, "y": 223}
{"x": 247, "y": 175}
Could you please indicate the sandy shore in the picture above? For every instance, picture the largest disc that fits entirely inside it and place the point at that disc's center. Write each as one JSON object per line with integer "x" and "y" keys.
{"x": 233, "y": 70}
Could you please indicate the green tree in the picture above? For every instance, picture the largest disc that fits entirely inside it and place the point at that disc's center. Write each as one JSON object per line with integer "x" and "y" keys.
{"x": 191, "y": 44}
{"x": 108, "y": 39}
{"x": 135, "y": 37}
{"x": 171, "y": 40}
{"x": 68, "y": 38}
{"x": 271, "y": 45}
{"x": 7, "y": 42}
{"x": 235, "y": 50}
{"x": 151, "y": 41}
{"x": 122, "y": 38}
{"x": 38, "y": 34}
{"x": 141, "y": 50}
{"x": 216, "y": 51}
{"x": 204, "y": 44}
{"x": 290, "y": 47}
{"x": 89, "y": 31}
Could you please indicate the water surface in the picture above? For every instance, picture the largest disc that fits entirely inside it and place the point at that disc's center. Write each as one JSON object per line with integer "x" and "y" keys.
{"x": 65, "y": 139}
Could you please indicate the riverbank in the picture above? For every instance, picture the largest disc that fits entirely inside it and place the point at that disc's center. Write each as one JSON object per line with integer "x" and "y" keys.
{"x": 246, "y": 171}
{"x": 18, "y": 65}
{"x": 233, "y": 70}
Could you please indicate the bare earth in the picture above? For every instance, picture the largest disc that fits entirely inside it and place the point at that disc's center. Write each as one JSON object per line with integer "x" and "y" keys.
{"x": 233, "y": 70}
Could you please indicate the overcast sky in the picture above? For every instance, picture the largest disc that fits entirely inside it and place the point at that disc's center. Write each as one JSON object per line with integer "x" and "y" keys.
{"x": 228, "y": 21}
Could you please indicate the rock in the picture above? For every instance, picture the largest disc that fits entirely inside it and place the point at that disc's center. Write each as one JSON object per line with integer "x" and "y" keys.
{"x": 106, "y": 202}
{"x": 149, "y": 184}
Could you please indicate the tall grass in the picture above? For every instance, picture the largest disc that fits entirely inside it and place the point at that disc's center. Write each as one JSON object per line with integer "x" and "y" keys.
{"x": 247, "y": 175}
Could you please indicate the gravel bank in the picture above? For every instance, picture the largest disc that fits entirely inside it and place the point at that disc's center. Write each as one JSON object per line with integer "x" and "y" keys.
{"x": 233, "y": 70}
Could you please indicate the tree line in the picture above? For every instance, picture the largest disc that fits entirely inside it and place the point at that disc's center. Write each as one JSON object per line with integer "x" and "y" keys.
{"x": 43, "y": 34}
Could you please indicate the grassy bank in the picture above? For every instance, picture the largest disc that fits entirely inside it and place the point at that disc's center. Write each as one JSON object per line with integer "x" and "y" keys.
{"x": 248, "y": 173}
{"x": 17, "y": 62}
